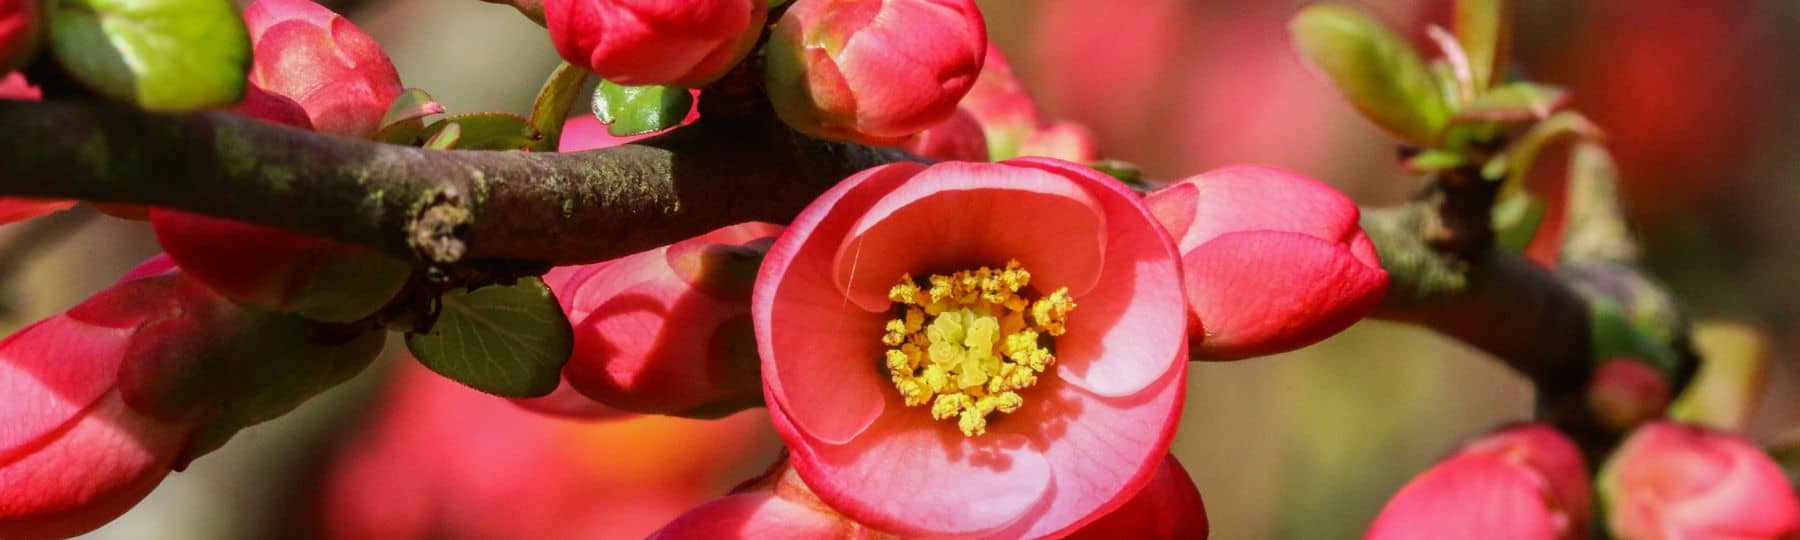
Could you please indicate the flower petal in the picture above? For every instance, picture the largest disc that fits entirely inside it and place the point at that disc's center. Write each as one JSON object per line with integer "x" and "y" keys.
{"x": 20, "y": 209}
{"x": 50, "y": 372}
{"x": 755, "y": 515}
{"x": 1263, "y": 292}
{"x": 1468, "y": 496}
{"x": 1168, "y": 507}
{"x": 819, "y": 351}
{"x": 956, "y": 216}
{"x": 1249, "y": 198}
{"x": 98, "y": 467}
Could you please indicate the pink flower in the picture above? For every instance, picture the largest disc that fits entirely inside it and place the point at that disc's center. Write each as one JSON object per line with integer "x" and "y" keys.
{"x": 278, "y": 270}
{"x": 13, "y": 86}
{"x": 437, "y": 456}
{"x": 958, "y": 139}
{"x": 1526, "y": 482}
{"x": 317, "y": 59}
{"x": 1169, "y": 507}
{"x": 1067, "y": 141}
{"x": 915, "y": 394}
{"x": 103, "y": 400}
{"x": 655, "y": 42}
{"x": 1625, "y": 392}
{"x": 1273, "y": 260}
{"x": 19, "y": 30}
{"x": 1673, "y": 481}
{"x": 873, "y": 71}
{"x": 1014, "y": 125}
{"x": 667, "y": 331}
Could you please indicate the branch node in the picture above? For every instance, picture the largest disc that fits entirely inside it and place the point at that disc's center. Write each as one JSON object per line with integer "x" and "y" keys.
{"x": 436, "y": 232}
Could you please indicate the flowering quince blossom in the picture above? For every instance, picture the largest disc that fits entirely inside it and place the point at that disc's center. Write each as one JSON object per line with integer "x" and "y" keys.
{"x": 313, "y": 69}
{"x": 19, "y": 29}
{"x": 1273, "y": 260}
{"x": 655, "y": 42}
{"x": 1526, "y": 482}
{"x": 1672, "y": 481}
{"x": 1013, "y": 122}
{"x": 972, "y": 349}
{"x": 103, "y": 400}
{"x": 873, "y": 71}
{"x": 666, "y": 331}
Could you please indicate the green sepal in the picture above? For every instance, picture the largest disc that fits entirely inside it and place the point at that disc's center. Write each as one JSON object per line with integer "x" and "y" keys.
{"x": 507, "y": 340}
{"x": 405, "y": 120}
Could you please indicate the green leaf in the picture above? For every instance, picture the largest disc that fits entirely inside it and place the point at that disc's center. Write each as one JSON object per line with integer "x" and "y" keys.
{"x": 1733, "y": 371}
{"x": 553, "y": 103}
{"x": 504, "y": 340}
{"x": 1376, "y": 69}
{"x": 404, "y": 122}
{"x": 1434, "y": 160}
{"x": 161, "y": 55}
{"x": 488, "y": 131}
{"x": 445, "y": 137}
{"x": 1516, "y": 220}
{"x": 1484, "y": 29}
{"x": 1614, "y": 334}
{"x": 1522, "y": 153}
{"x": 1125, "y": 172}
{"x": 636, "y": 110}
{"x": 1596, "y": 228}
{"x": 1514, "y": 102}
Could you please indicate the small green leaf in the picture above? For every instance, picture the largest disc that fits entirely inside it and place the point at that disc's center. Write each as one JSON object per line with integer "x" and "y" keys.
{"x": 1614, "y": 335}
{"x": 1376, "y": 69}
{"x": 161, "y": 55}
{"x": 1125, "y": 172}
{"x": 405, "y": 122}
{"x": 1514, "y": 102}
{"x": 553, "y": 103}
{"x": 504, "y": 340}
{"x": 445, "y": 137}
{"x": 1523, "y": 153}
{"x": 1596, "y": 229}
{"x": 1733, "y": 371}
{"x": 1433, "y": 160}
{"x": 1516, "y": 220}
{"x": 1484, "y": 29}
{"x": 636, "y": 110}
{"x": 488, "y": 131}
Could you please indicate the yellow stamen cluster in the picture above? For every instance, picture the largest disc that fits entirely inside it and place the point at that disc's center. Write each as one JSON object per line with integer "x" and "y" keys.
{"x": 967, "y": 343}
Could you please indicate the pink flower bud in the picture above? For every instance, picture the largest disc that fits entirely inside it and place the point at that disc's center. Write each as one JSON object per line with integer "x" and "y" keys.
{"x": 13, "y": 86}
{"x": 19, "y": 30}
{"x": 1169, "y": 507}
{"x": 1273, "y": 260}
{"x": 873, "y": 71}
{"x": 1625, "y": 392}
{"x": 1526, "y": 482}
{"x": 958, "y": 139}
{"x": 1673, "y": 481}
{"x": 666, "y": 331}
{"x": 278, "y": 270}
{"x": 655, "y": 42}
{"x": 998, "y": 101}
{"x": 320, "y": 61}
{"x": 1067, "y": 141}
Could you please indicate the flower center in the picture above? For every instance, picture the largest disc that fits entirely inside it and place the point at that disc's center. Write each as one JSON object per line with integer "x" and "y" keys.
{"x": 983, "y": 343}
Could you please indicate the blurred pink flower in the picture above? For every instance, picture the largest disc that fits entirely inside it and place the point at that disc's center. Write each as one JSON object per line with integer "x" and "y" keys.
{"x": 440, "y": 457}
{"x": 1525, "y": 482}
{"x": 959, "y": 138}
{"x": 655, "y": 42}
{"x": 1672, "y": 481}
{"x": 873, "y": 71}
{"x": 1625, "y": 392}
{"x": 19, "y": 30}
{"x": 1034, "y": 442}
{"x": 321, "y": 62}
{"x": 1273, "y": 260}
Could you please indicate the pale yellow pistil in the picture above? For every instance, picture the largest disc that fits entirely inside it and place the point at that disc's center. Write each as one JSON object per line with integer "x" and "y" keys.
{"x": 983, "y": 343}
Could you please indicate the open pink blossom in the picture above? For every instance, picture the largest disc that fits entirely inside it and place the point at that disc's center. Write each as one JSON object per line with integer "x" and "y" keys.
{"x": 655, "y": 42}
{"x": 1672, "y": 481}
{"x": 1273, "y": 260}
{"x": 1525, "y": 482}
{"x": 1034, "y": 426}
{"x": 667, "y": 331}
{"x": 873, "y": 71}
{"x": 317, "y": 59}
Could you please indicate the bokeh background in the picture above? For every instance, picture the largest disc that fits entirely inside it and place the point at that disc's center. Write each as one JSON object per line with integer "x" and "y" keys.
{"x": 1701, "y": 101}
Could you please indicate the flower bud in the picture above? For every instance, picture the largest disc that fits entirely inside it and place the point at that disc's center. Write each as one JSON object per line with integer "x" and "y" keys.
{"x": 957, "y": 139}
{"x": 1625, "y": 392}
{"x": 273, "y": 269}
{"x": 1672, "y": 481}
{"x": 1273, "y": 260}
{"x": 1007, "y": 113}
{"x": 19, "y": 29}
{"x": 667, "y": 331}
{"x": 655, "y": 42}
{"x": 320, "y": 61}
{"x": 1526, "y": 482}
{"x": 873, "y": 71}
{"x": 1066, "y": 141}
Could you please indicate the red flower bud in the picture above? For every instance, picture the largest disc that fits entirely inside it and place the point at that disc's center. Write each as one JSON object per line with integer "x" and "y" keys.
{"x": 873, "y": 71}
{"x": 1273, "y": 260}
{"x": 958, "y": 139}
{"x": 1625, "y": 392}
{"x": 1526, "y": 482}
{"x": 1673, "y": 481}
{"x": 273, "y": 269}
{"x": 323, "y": 63}
{"x": 19, "y": 30}
{"x": 655, "y": 42}
{"x": 665, "y": 331}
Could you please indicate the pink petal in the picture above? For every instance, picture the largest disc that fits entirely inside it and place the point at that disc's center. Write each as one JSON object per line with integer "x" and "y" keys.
{"x": 1468, "y": 496}
{"x": 20, "y": 209}
{"x": 50, "y": 372}
{"x": 92, "y": 471}
{"x": 755, "y": 515}
{"x": 1250, "y": 198}
{"x": 818, "y": 350}
{"x": 956, "y": 216}
{"x": 565, "y": 402}
{"x": 262, "y": 14}
{"x": 1169, "y": 507}
{"x": 1124, "y": 331}
{"x": 1264, "y": 292}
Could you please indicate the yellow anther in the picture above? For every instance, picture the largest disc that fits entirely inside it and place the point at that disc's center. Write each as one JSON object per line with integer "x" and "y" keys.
{"x": 967, "y": 342}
